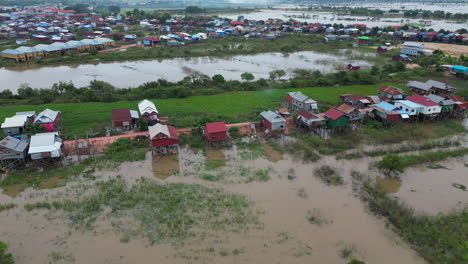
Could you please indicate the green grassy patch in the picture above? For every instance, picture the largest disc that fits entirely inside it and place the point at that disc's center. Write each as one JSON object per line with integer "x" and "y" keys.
{"x": 171, "y": 212}
{"x": 394, "y": 164}
{"x": 81, "y": 118}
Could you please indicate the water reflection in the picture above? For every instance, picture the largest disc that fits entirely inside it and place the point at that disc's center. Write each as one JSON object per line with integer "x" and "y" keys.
{"x": 389, "y": 184}
{"x": 165, "y": 166}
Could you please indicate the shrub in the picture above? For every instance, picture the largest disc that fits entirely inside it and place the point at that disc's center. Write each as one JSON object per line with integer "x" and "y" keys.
{"x": 234, "y": 131}
{"x": 329, "y": 175}
{"x": 5, "y": 257}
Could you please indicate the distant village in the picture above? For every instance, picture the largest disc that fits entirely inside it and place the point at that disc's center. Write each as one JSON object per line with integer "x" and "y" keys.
{"x": 53, "y": 29}
{"x": 430, "y": 100}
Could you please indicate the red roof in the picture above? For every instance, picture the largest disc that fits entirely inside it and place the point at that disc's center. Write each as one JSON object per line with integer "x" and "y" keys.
{"x": 152, "y": 38}
{"x": 421, "y": 100}
{"x": 355, "y": 97}
{"x": 237, "y": 23}
{"x": 216, "y": 127}
{"x": 121, "y": 114}
{"x": 390, "y": 89}
{"x": 305, "y": 114}
{"x": 334, "y": 114}
{"x": 172, "y": 131}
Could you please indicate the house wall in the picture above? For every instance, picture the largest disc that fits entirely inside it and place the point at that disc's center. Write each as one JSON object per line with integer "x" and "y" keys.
{"x": 7, "y": 154}
{"x": 267, "y": 124}
{"x": 411, "y": 111}
{"x": 156, "y": 142}
{"x": 431, "y": 110}
{"x": 11, "y": 131}
{"x": 278, "y": 125}
{"x": 49, "y": 127}
{"x": 218, "y": 136}
{"x": 340, "y": 122}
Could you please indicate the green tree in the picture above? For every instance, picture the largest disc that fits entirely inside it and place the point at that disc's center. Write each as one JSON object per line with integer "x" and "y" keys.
{"x": 33, "y": 129}
{"x": 234, "y": 131}
{"x": 247, "y": 76}
{"x": 218, "y": 79}
{"x": 193, "y": 9}
{"x": 277, "y": 74}
{"x": 390, "y": 164}
{"x": 114, "y": 9}
{"x": 5, "y": 257}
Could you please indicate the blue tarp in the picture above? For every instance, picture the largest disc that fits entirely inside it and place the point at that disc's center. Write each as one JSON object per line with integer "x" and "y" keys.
{"x": 460, "y": 68}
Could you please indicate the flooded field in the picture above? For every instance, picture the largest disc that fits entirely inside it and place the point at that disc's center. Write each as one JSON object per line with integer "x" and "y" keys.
{"x": 302, "y": 219}
{"x": 331, "y": 18}
{"x": 130, "y": 74}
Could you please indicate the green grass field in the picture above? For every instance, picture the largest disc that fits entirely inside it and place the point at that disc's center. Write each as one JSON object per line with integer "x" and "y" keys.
{"x": 79, "y": 118}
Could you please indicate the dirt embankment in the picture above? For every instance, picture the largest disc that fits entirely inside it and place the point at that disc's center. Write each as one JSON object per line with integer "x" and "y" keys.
{"x": 448, "y": 48}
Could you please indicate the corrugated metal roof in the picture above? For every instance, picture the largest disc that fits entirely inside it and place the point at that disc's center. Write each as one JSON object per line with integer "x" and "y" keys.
{"x": 46, "y": 116}
{"x": 45, "y": 142}
{"x": 272, "y": 117}
{"x": 134, "y": 114}
{"x": 422, "y": 100}
{"x": 409, "y": 103}
{"x": 333, "y": 114}
{"x": 419, "y": 85}
{"x": 386, "y": 106}
{"x": 216, "y": 127}
{"x": 14, "y": 144}
{"x": 147, "y": 107}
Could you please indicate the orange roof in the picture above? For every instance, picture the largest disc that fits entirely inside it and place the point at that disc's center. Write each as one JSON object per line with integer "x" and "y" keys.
{"x": 345, "y": 108}
{"x": 390, "y": 89}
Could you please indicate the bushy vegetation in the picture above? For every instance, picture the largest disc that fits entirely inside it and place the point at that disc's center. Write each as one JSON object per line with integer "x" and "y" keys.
{"x": 171, "y": 212}
{"x": 5, "y": 207}
{"x": 395, "y": 164}
{"x": 439, "y": 239}
{"x": 124, "y": 149}
{"x": 329, "y": 175}
{"x": 5, "y": 257}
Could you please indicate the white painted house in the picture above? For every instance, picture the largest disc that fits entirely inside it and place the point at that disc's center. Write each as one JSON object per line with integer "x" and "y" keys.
{"x": 428, "y": 107}
{"x": 45, "y": 145}
{"x": 412, "y": 108}
{"x": 147, "y": 109}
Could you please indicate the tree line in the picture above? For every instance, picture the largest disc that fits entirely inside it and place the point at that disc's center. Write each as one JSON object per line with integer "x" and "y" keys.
{"x": 100, "y": 91}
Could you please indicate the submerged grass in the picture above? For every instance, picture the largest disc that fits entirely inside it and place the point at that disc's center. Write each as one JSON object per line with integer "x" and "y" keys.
{"x": 329, "y": 175}
{"x": 7, "y": 206}
{"x": 427, "y": 145}
{"x": 439, "y": 239}
{"x": 164, "y": 212}
{"x": 121, "y": 150}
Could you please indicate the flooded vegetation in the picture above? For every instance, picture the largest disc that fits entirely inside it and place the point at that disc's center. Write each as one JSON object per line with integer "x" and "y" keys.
{"x": 133, "y": 73}
{"x": 220, "y": 205}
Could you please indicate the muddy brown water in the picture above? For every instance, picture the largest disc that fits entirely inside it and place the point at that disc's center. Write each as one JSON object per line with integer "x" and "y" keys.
{"x": 286, "y": 236}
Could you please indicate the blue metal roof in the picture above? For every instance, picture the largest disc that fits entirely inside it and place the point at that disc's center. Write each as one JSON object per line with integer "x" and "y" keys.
{"x": 386, "y": 106}
{"x": 11, "y": 51}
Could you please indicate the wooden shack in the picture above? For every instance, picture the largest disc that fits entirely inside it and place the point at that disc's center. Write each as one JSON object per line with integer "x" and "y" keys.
{"x": 215, "y": 131}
